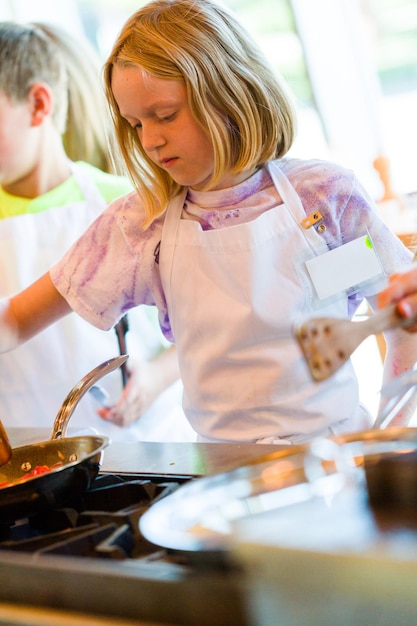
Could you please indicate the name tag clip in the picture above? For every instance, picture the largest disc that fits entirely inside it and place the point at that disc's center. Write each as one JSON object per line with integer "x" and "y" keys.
{"x": 313, "y": 219}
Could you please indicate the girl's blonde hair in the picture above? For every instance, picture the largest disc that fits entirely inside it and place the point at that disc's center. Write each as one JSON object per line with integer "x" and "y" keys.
{"x": 232, "y": 91}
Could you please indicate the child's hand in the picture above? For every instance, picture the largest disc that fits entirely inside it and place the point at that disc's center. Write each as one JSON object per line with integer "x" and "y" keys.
{"x": 402, "y": 289}
{"x": 135, "y": 399}
{"x": 147, "y": 380}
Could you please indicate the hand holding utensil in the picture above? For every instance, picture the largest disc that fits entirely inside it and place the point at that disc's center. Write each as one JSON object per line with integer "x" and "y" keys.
{"x": 327, "y": 343}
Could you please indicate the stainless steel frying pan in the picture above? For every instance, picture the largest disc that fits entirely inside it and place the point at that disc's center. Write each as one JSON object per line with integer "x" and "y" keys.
{"x": 79, "y": 460}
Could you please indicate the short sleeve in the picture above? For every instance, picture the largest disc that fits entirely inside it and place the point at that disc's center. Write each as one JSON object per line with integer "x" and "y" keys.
{"x": 111, "y": 268}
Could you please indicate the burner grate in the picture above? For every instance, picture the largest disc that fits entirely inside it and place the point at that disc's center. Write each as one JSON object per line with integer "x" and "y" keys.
{"x": 91, "y": 557}
{"x": 103, "y": 523}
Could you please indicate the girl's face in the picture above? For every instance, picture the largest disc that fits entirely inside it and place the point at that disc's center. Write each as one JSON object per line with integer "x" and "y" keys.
{"x": 171, "y": 137}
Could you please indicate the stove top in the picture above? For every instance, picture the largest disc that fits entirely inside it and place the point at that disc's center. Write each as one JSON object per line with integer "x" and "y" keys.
{"x": 90, "y": 556}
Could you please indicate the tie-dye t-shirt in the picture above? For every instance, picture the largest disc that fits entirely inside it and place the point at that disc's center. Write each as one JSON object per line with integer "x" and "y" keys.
{"x": 113, "y": 267}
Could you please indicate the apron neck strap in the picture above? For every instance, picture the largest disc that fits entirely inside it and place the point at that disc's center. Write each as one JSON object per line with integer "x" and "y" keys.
{"x": 292, "y": 201}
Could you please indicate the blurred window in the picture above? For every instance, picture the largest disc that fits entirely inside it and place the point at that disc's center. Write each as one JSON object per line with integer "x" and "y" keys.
{"x": 392, "y": 34}
{"x": 392, "y": 27}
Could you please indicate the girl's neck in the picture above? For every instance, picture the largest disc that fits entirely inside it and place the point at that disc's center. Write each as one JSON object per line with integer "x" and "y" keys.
{"x": 232, "y": 180}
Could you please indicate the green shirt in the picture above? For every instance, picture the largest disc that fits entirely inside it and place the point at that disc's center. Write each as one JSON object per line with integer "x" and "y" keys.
{"x": 109, "y": 185}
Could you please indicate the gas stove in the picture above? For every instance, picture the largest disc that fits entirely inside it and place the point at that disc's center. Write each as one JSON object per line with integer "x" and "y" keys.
{"x": 327, "y": 548}
{"x": 91, "y": 557}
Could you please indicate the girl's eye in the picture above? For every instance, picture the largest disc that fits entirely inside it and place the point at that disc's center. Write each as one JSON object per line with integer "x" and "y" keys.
{"x": 168, "y": 118}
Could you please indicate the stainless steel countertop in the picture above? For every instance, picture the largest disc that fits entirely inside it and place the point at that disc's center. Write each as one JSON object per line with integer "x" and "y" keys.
{"x": 174, "y": 459}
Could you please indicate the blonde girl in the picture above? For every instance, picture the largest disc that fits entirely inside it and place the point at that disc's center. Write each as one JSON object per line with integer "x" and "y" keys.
{"x": 220, "y": 232}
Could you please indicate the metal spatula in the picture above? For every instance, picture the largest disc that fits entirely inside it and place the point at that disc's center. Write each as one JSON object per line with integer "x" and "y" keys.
{"x": 329, "y": 342}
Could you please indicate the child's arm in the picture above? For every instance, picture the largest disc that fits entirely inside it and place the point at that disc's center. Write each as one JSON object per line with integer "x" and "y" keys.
{"x": 27, "y": 313}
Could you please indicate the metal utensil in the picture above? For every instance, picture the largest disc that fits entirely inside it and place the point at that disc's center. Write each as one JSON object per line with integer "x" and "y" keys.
{"x": 101, "y": 396}
{"x": 327, "y": 342}
{"x": 121, "y": 329}
{"x": 74, "y": 396}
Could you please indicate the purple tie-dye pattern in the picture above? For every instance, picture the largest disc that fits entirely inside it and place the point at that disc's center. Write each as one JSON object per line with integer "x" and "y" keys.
{"x": 112, "y": 267}
{"x": 225, "y": 207}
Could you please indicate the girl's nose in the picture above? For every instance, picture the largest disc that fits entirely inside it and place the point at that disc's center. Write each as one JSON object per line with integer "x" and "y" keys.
{"x": 151, "y": 138}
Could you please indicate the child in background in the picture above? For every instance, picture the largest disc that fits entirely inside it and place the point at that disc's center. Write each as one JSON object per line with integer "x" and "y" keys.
{"x": 51, "y": 96}
{"x": 87, "y": 142}
{"x": 220, "y": 233}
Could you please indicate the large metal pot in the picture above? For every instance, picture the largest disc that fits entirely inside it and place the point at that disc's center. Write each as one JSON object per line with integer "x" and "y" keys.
{"x": 79, "y": 460}
{"x": 202, "y": 515}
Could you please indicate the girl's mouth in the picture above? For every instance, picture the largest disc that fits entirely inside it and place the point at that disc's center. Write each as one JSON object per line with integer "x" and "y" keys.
{"x": 166, "y": 163}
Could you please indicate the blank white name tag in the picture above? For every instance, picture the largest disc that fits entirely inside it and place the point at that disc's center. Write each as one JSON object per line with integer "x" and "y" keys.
{"x": 345, "y": 267}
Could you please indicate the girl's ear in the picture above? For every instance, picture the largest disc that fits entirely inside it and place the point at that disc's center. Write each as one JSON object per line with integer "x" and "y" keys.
{"x": 40, "y": 101}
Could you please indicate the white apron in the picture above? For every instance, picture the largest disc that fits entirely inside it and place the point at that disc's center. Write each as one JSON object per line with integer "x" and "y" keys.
{"x": 36, "y": 377}
{"x": 233, "y": 295}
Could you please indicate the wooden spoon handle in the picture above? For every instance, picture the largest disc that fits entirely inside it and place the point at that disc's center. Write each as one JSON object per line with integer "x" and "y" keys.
{"x": 386, "y": 319}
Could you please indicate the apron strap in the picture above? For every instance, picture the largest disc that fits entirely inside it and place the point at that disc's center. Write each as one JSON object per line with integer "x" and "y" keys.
{"x": 293, "y": 202}
{"x": 169, "y": 237}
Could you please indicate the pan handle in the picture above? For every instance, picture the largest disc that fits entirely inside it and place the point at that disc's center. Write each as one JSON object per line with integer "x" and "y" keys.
{"x": 74, "y": 396}
{"x": 5, "y": 447}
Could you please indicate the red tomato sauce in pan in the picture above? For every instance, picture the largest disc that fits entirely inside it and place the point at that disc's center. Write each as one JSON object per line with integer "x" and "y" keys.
{"x": 36, "y": 471}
